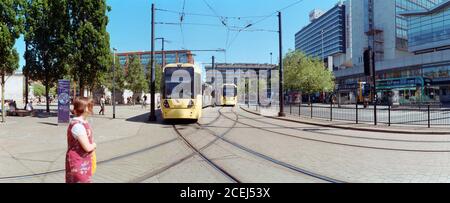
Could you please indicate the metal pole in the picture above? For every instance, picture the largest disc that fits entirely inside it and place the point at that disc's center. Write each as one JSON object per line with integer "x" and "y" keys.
{"x": 271, "y": 58}
{"x": 114, "y": 84}
{"x": 213, "y": 66}
{"x": 357, "y": 121}
{"x": 152, "y": 61}
{"x": 257, "y": 75}
{"x": 389, "y": 115}
{"x": 299, "y": 107}
{"x": 429, "y": 117}
{"x": 331, "y": 111}
{"x": 163, "y": 61}
{"x": 281, "y": 82}
{"x": 322, "y": 47}
{"x": 375, "y": 98}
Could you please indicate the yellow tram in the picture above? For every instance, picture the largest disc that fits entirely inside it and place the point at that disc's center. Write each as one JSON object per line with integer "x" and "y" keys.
{"x": 229, "y": 96}
{"x": 181, "y": 92}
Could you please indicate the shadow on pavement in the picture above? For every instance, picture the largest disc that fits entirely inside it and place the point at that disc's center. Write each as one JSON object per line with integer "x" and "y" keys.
{"x": 144, "y": 118}
{"x": 48, "y": 123}
{"x": 43, "y": 114}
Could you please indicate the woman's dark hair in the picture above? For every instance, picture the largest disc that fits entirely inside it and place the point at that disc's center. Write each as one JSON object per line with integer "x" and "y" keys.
{"x": 80, "y": 104}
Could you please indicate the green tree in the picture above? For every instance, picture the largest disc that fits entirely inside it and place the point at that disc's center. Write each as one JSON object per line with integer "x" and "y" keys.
{"x": 11, "y": 26}
{"x": 47, "y": 38}
{"x": 91, "y": 50}
{"x": 135, "y": 77}
{"x": 158, "y": 76}
{"x": 307, "y": 74}
{"x": 38, "y": 90}
{"x": 106, "y": 78}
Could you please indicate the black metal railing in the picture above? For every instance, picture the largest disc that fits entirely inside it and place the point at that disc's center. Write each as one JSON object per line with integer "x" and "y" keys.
{"x": 425, "y": 115}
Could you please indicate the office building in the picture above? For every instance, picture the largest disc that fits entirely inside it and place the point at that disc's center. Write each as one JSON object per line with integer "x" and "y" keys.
{"x": 411, "y": 42}
{"x": 325, "y": 35}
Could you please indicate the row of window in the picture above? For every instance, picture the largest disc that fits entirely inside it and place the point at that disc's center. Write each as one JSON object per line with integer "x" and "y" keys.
{"x": 410, "y": 5}
{"x": 325, "y": 20}
{"x": 332, "y": 22}
{"x": 434, "y": 73}
{"x": 327, "y": 51}
{"x": 170, "y": 58}
{"x": 328, "y": 34}
{"x": 429, "y": 28}
{"x": 429, "y": 36}
{"x": 325, "y": 36}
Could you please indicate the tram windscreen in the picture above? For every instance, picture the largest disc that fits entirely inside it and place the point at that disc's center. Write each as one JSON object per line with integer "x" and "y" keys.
{"x": 229, "y": 91}
{"x": 179, "y": 83}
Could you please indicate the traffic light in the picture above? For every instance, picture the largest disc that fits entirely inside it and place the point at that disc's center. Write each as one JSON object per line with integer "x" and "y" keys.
{"x": 368, "y": 62}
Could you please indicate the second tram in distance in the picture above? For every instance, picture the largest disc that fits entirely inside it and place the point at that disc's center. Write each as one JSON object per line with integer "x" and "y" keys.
{"x": 229, "y": 95}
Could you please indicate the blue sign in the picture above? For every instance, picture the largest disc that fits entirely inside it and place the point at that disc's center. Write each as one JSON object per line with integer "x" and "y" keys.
{"x": 63, "y": 101}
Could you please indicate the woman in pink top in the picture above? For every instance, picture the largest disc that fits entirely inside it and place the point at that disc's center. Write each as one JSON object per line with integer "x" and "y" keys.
{"x": 80, "y": 143}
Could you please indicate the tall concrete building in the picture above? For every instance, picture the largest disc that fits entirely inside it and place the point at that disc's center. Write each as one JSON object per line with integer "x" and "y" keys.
{"x": 411, "y": 43}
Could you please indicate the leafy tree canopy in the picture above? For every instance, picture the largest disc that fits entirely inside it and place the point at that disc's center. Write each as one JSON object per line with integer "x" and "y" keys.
{"x": 307, "y": 74}
{"x": 135, "y": 77}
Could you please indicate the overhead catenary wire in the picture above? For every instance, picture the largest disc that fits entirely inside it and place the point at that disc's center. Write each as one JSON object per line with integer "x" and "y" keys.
{"x": 181, "y": 23}
{"x": 207, "y": 15}
{"x": 224, "y": 22}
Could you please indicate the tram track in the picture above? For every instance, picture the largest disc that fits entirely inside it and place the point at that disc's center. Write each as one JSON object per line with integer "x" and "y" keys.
{"x": 268, "y": 158}
{"x": 204, "y": 157}
{"x": 330, "y": 142}
{"x": 196, "y": 151}
{"x": 34, "y": 175}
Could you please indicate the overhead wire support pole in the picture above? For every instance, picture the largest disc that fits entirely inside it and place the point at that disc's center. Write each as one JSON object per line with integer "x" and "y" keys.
{"x": 114, "y": 83}
{"x": 213, "y": 65}
{"x": 152, "y": 117}
{"x": 281, "y": 82}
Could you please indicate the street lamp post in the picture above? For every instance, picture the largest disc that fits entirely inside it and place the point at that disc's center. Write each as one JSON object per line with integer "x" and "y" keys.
{"x": 114, "y": 83}
{"x": 323, "y": 56}
{"x": 281, "y": 82}
{"x": 152, "y": 117}
{"x": 163, "y": 58}
{"x": 271, "y": 58}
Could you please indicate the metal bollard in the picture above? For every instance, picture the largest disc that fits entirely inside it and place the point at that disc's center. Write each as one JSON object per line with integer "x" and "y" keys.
{"x": 357, "y": 121}
{"x": 299, "y": 109}
{"x": 331, "y": 112}
{"x": 389, "y": 115}
{"x": 290, "y": 108}
{"x": 429, "y": 117}
{"x": 311, "y": 110}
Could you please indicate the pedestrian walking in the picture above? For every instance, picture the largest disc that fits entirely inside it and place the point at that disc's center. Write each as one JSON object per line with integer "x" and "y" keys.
{"x": 144, "y": 103}
{"x": 102, "y": 105}
{"x": 80, "y": 156}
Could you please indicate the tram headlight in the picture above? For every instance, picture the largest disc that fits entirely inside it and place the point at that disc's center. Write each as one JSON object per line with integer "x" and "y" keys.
{"x": 166, "y": 104}
{"x": 191, "y": 104}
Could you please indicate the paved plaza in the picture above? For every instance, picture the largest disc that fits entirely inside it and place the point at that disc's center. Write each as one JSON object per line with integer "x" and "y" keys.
{"x": 249, "y": 147}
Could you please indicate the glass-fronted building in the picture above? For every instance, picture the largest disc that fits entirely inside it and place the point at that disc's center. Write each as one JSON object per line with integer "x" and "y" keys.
{"x": 402, "y": 6}
{"x": 177, "y": 56}
{"x": 429, "y": 29}
{"x": 324, "y": 36}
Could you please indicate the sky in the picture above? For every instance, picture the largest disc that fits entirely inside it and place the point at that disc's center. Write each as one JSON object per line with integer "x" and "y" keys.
{"x": 130, "y": 26}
